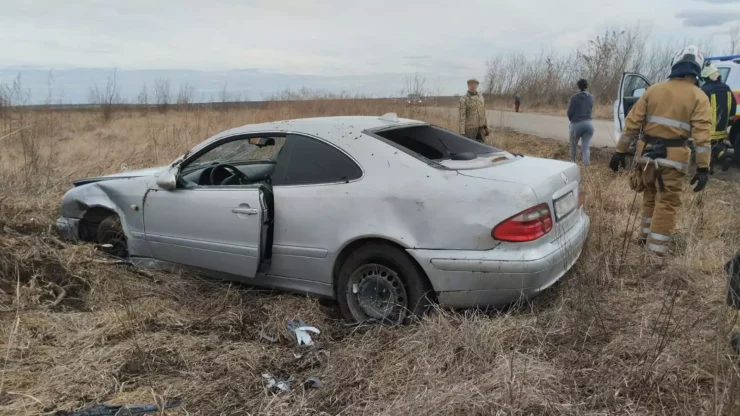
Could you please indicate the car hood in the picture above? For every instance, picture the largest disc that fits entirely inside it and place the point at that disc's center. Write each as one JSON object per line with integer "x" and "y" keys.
{"x": 128, "y": 174}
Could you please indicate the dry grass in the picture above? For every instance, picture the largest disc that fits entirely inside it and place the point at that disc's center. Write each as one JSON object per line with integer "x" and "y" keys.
{"x": 621, "y": 334}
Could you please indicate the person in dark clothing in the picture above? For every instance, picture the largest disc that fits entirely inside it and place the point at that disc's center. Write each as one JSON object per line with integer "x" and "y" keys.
{"x": 517, "y": 102}
{"x": 581, "y": 126}
{"x": 724, "y": 107}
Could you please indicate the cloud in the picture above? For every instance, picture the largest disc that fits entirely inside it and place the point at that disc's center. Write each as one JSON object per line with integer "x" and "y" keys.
{"x": 721, "y": 1}
{"x": 707, "y": 18}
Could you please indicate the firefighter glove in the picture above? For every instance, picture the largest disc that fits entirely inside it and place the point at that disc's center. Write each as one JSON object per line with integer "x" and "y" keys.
{"x": 619, "y": 159}
{"x": 700, "y": 179}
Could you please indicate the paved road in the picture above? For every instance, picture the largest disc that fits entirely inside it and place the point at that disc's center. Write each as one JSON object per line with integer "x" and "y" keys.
{"x": 553, "y": 127}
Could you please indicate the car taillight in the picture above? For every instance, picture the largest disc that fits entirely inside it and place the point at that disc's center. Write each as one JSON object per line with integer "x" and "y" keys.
{"x": 527, "y": 225}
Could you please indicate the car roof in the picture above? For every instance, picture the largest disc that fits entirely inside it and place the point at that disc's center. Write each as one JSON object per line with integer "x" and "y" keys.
{"x": 340, "y": 130}
{"x": 319, "y": 125}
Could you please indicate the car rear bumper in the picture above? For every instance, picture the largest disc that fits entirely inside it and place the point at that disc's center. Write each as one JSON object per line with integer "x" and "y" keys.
{"x": 68, "y": 228}
{"x": 502, "y": 275}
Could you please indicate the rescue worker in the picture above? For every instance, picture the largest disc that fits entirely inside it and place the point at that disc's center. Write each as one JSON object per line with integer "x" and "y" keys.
{"x": 473, "y": 120}
{"x": 517, "y": 102}
{"x": 724, "y": 106}
{"x": 668, "y": 113}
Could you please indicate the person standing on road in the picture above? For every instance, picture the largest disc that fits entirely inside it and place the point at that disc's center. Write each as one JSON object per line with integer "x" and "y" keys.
{"x": 669, "y": 113}
{"x": 473, "y": 120}
{"x": 517, "y": 102}
{"x": 581, "y": 126}
{"x": 723, "y": 105}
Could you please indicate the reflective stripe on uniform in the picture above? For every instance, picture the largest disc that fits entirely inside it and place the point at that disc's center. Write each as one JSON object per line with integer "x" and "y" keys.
{"x": 645, "y": 231}
{"x": 713, "y": 102}
{"x": 682, "y": 167}
{"x": 702, "y": 149}
{"x": 668, "y": 122}
{"x": 657, "y": 248}
{"x": 660, "y": 237}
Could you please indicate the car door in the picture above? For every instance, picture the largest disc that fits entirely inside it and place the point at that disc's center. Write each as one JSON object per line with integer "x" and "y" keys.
{"x": 210, "y": 228}
{"x": 218, "y": 228}
{"x": 631, "y": 88}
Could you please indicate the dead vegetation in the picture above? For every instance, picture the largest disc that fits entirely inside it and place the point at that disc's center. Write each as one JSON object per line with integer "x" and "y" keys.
{"x": 621, "y": 334}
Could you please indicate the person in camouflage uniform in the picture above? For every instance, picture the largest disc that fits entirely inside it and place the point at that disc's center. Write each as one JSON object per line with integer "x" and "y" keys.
{"x": 473, "y": 121}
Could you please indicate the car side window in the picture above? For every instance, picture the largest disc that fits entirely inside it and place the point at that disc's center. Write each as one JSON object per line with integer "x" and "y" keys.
{"x": 305, "y": 160}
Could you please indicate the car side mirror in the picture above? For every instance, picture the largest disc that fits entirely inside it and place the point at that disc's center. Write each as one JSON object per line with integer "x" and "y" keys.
{"x": 167, "y": 180}
{"x": 638, "y": 92}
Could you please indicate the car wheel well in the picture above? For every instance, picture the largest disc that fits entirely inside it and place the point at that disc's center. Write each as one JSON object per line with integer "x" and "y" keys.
{"x": 91, "y": 221}
{"x": 353, "y": 246}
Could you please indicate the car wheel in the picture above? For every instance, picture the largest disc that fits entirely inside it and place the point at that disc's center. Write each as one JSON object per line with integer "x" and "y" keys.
{"x": 112, "y": 238}
{"x": 381, "y": 283}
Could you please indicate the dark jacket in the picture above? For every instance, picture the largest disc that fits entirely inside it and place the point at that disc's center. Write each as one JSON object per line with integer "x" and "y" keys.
{"x": 723, "y": 106}
{"x": 579, "y": 107}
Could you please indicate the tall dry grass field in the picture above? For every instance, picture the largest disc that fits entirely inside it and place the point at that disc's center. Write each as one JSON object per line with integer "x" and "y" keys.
{"x": 622, "y": 333}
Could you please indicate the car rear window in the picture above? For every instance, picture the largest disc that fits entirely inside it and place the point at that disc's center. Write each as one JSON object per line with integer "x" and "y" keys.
{"x": 434, "y": 143}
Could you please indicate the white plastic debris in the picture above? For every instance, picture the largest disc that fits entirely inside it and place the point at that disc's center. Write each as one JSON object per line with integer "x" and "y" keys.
{"x": 274, "y": 385}
{"x": 301, "y": 331}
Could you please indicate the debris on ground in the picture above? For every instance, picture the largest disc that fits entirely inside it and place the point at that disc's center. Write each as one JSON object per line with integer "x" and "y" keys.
{"x": 108, "y": 410}
{"x": 266, "y": 337}
{"x": 275, "y": 385}
{"x": 312, "y": 383}
{"x": 301, "y": 331}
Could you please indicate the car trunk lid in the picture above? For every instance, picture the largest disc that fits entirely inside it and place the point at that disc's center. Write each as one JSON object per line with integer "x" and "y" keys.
{"x": 554, "y": 182}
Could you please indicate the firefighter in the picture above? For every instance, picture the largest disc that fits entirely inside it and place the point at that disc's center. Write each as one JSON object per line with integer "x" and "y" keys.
{"x": 668, "y": 113}
{"x": 723, "y": 106}
{"x": 473, "y": 120}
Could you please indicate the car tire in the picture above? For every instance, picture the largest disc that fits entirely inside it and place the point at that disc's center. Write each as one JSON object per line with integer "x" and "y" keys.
{"x": 381, "y": 283}
{"x": 111, "y": 237}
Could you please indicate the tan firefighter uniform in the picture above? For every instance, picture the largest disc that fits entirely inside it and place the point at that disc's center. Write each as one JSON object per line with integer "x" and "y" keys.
{"x": 473, "y": 121}
{"x": 671, "y": 111}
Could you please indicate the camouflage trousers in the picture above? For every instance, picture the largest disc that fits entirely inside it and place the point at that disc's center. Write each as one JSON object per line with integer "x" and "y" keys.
{"x": 478, "y": 134}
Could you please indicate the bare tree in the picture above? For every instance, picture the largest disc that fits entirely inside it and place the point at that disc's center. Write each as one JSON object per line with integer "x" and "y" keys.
{"x": 224, "y": 96}
{"x": 734, "y": 39}
{"x": 143, "y": 99}
{"x": 162, "y": 94}
{"x": 106, "y": 97}
{"x": 185, "y": 94}
{"x": 416, "y": 85}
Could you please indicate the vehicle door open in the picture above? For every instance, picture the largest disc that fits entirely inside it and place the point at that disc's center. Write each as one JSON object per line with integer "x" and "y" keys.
{"x": 631, "y": 88}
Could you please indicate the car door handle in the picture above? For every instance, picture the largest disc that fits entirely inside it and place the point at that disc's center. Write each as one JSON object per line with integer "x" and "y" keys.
{"x": 242, "y": 210}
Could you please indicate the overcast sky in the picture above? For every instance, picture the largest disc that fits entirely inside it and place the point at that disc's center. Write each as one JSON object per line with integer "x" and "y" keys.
{"x": 445, "y": 39}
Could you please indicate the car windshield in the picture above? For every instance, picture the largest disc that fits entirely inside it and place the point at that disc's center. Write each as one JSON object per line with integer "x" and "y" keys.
{"x": 241, "y": 151}
{"x": 435, "y": 144}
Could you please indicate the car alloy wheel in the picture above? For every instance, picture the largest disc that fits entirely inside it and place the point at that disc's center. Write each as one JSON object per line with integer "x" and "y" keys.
{"x": 378, "y": 293}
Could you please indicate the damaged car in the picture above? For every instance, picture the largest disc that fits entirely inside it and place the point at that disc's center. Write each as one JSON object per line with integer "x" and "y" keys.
{"x": 386, "y": 215}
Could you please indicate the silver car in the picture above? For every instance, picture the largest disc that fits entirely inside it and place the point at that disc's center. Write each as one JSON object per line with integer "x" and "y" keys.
{"x": 383, "y": 214}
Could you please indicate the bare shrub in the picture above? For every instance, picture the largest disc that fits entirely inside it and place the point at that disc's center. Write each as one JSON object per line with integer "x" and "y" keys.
{"x": 185, "y": 94}
{"x": 162, "y": 94}
{"x": 107, "y": 98}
